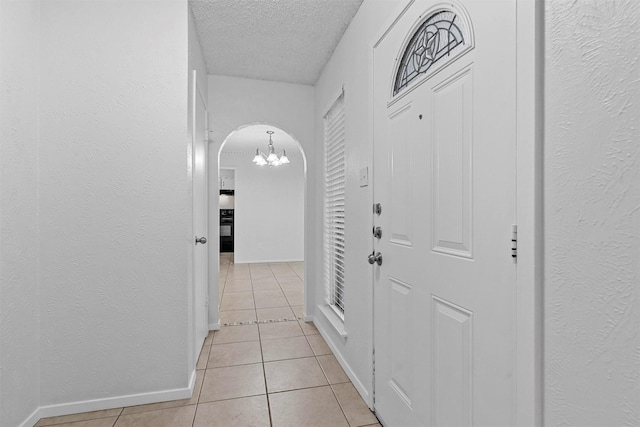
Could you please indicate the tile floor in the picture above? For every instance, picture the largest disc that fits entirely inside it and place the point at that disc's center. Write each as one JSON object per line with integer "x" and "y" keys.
{"x": 264, "y": 367}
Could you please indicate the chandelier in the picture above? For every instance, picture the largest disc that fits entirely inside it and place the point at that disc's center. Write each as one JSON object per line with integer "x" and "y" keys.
{"x": 271, "y": 159}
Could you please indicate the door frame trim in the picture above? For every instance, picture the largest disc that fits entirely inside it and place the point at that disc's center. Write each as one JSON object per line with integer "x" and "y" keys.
{"x": 529, "y": 138}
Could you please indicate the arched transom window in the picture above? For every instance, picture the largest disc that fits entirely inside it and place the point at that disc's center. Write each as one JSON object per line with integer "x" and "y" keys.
{"x": 441, "y": 37}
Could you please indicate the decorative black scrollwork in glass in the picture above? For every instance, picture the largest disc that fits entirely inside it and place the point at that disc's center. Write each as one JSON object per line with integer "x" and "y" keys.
{"x": 438, "y": 37}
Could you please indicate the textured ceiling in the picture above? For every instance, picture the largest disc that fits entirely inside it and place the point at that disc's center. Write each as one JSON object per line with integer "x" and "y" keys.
{"x": 279, "y": 40}
{"x": 247, "y": 139}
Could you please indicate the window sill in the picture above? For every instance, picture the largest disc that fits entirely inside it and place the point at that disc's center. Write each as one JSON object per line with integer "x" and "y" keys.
{"x": 334, "y": 320}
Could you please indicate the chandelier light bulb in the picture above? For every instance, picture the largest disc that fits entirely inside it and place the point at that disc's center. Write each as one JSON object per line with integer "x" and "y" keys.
{"x": 272, "y": 159}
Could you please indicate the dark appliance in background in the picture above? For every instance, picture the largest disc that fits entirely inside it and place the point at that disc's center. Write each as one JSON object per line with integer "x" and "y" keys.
{"x": 226, "y": 226}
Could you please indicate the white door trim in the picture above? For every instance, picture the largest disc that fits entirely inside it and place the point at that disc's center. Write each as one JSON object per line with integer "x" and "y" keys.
{"x": 529, "y": 126}
{"x": 529, "y": 102}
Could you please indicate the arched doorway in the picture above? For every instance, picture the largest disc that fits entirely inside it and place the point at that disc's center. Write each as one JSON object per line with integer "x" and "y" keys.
{"x": 261, "y": 217}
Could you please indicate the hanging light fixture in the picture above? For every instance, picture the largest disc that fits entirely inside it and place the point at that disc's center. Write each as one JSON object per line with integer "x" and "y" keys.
{"x": 270, "y": 159}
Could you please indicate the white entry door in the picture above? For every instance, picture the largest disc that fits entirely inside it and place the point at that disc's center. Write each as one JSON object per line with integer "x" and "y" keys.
{"x": 444, "y": 141}
{"x": 200, "y": 218}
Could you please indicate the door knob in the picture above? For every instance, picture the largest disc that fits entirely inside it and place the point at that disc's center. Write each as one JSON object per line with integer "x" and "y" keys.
{"x": 375, "y": 258}
{"x": 201, "y": 240}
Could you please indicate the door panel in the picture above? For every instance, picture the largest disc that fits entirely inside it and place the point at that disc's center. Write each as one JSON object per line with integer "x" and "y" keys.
{"x": 444, "y": 172}
{"x": 401, "y": 337}
{"x": 452, "y": 364}
{"x": 400, "y": 173}
{"x": 451, "y": 139}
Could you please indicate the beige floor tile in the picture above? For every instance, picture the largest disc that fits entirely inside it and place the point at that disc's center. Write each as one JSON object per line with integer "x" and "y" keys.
{"x": 171, "y": 417}
{"x": 317, "y": 343}
{"x": 79, "y": 417}
{"x": 235, "y": 273}
{"x": 296, "y": 300}
{"x": 237, "y": 316}
{"x": 237, "y": 301}
{"x": 272, "y": 302}
{"x": 293, "y": 292}
{"x": 232, "y": 381}
{"x": 308, "y": 327}
{"x": 288, "y": 288}
{"x": 248, "y": 411}
{"x": 283, "y": 271}
{"x": 298, "y": 310}
{"x": 267, "y": 285}
{"x": 204, "y": 356}
{"x": 285, "y": 348}
{"x": 290, "y": 280}
{"x": 241, "y": 333}
{"x": 264, "y": 281}
{"x": 275, "y": 330}
{"x": 171, "y": 403}
{"x": 260, "y": 295}
{"x": 100, "y": 422}
{"x": 293, "y": 374}
{"x": 261, "y": 273}
{"x": 208, "y": 339}
{"x": 313, "y": 407}
{"x": 332, "y": 369}
{"x": 238, "y": 285}
{"x": 239, "y": 353}
{"x": 275, "y": 313}
{"x": 354, "y": 408}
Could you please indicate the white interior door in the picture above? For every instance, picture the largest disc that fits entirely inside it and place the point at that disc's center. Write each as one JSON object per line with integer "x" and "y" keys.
{"x": 444, "y": 304}
{"x": 200, "y": 218}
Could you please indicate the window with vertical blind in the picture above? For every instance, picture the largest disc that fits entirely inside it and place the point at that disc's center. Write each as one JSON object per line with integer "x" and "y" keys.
{"x": 334, "y": 189}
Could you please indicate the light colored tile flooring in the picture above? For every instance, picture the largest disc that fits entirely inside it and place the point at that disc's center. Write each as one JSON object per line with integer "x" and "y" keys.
{"x": 265, "y": 367}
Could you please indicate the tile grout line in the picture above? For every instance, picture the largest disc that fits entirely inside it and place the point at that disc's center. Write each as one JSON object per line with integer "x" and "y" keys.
{"x": 264, "y": 371}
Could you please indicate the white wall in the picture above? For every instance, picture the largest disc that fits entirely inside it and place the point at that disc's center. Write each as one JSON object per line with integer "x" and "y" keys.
{"x": 592, "y": 219}
{"x": 236, "y": 102}
{"x": 19, "y": 330}
{"x": 196, "y": 61}
{"x": 269, "y": 208}
{"x": 114, "y": 208}
{"x": 350, "y": 66}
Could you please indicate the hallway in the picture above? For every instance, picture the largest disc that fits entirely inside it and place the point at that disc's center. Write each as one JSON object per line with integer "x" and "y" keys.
{"x": 265, "y": 367}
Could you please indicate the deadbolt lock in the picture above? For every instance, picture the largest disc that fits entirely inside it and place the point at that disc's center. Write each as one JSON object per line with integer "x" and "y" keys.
{"x": 377, "y": 208}
{"x": 375, "y": 258}
{"x": 377, "y": 232}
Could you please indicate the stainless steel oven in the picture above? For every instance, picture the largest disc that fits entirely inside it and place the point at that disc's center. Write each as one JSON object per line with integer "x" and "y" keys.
{"x": 226, "y": 230}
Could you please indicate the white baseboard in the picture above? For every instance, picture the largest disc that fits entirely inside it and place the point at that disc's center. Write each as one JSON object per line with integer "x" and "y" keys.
{"x": 31, "y": 419}
{"x": 214, "y": 326}
{"x": 111, "y": 402}
{"x": 366, "y": 396}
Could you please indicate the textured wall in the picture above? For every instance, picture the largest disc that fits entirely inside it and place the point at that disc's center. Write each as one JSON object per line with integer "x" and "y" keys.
{"x": 350, "y": 66}
{"x": 19, "y": 332}
{"x": 592, "y": 213}
{"x": 114, "y": 210}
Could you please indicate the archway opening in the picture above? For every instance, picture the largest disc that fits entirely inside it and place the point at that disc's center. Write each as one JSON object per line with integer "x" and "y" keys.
{"x": 261, "y": 217}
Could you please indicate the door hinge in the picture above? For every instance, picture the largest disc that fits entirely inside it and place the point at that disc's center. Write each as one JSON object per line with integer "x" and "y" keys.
{"x": 514, "y": 242}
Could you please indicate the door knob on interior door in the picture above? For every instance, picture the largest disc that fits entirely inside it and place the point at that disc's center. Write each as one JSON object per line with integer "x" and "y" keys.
{"x": 375, "y": 258}
{"x": 201, "y": 240}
